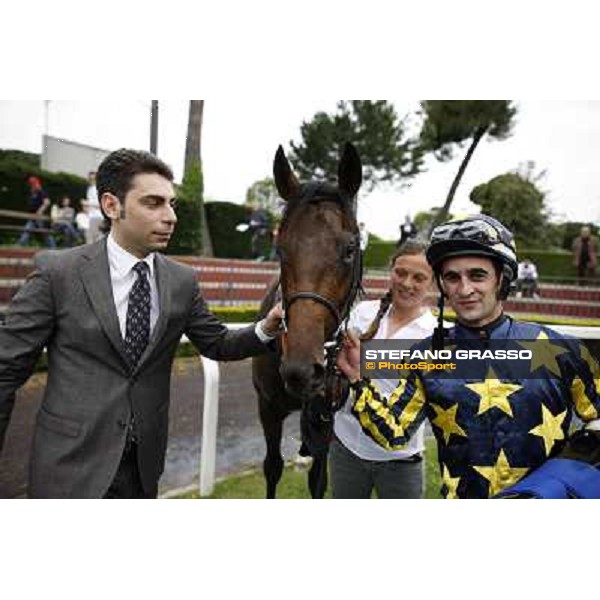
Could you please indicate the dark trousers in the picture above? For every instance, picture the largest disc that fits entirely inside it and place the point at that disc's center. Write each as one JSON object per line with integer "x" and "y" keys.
{"x": 585, "y": 274}
{"x": 32, "y": 227}
{"x": 127, "y": 482}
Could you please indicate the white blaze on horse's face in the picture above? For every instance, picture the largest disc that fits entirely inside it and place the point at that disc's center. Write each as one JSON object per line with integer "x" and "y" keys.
{"x": 319, "y": 262}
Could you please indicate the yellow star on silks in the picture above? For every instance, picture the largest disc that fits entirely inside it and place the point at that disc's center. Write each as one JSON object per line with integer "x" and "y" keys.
{"x": 451, "y": 483}
{"x": 446, "y": 421}
{"x": 544, "y": 354}
{"x": 494, "y": 393}
{"x": 550, "y": 428}
{"x": 501, "y": 475}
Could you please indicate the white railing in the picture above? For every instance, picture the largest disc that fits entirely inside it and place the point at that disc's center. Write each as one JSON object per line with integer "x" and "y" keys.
{"x": 210, "y": 417}
{"x": 208, "y": 451}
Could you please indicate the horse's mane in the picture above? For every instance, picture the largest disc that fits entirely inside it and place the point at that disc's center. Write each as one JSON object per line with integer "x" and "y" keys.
{"x": 272, "y": 296}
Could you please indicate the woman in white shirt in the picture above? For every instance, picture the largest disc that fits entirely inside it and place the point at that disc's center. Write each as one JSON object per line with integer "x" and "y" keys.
{"x": 357, "y": 464}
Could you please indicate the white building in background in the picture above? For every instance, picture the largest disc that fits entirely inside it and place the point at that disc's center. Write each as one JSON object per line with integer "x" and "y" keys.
{"x": 59, "y": 155}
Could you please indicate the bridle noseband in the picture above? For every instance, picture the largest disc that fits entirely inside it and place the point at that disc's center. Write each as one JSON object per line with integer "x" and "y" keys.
{"x": 333, "y": 309}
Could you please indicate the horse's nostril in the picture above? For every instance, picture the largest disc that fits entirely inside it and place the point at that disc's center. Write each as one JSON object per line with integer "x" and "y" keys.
{"x": 303, "y": 379}
{"x": 296, "y": 374}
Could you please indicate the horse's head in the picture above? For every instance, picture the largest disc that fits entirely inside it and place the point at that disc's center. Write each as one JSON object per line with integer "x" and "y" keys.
{"x": 320, "y": 267}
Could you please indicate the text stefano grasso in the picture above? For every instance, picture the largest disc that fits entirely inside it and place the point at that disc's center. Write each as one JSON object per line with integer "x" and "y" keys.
{"x": 471, "y": 354}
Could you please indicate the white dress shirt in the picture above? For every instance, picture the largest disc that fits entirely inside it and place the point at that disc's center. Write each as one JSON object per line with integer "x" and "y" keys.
{"x": 122, "y": 278}
{"x": 346, "y": 425}
{"x": 527, "y": 271}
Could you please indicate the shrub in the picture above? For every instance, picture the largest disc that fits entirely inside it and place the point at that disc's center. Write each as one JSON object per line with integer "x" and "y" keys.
{"x": 378, "y": 253}
{"x": 187, "y": 238}
{"x": 222, "y": 218}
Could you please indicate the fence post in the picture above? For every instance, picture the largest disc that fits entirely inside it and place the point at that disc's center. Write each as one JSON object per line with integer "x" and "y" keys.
{"x": 208, "y": 452}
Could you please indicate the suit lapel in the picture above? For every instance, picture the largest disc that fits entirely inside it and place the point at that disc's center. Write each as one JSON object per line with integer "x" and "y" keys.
{"x": 95, "y": 274}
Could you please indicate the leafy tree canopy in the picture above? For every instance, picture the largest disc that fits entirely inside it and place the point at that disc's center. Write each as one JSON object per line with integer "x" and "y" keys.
{"x": 449, "y": 123}
{"x": 264, "y": 194}
{"x": 380, "y": 136}
{"x": 20, "y": 159}
{"x": 519, "y": 204}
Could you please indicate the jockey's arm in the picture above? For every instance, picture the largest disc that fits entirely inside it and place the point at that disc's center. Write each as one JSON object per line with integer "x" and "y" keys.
{"x": 390, "y": 421}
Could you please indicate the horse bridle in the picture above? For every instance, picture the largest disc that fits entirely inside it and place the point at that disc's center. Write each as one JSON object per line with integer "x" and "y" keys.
{"x": 333, "y": 345}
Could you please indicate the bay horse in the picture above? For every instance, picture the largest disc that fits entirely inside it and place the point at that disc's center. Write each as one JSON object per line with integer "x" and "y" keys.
{"x": 320, "y": 275}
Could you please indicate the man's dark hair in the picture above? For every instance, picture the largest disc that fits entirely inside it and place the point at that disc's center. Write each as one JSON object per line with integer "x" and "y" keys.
{"x": 116, "y": 172}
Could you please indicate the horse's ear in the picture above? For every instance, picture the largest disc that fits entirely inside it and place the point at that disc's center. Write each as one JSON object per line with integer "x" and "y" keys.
{"x": 350, "y": 171}
{"x": 286, "y": 182}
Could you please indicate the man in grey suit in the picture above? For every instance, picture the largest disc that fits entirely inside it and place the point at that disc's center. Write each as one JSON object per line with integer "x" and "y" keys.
{"x": 111, "y": 315}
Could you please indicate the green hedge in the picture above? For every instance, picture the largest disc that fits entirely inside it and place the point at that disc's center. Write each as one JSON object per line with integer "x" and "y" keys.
{"x": 222, "y": 218}
{"x": 378, "y": 253}
{"x": 187, "y": 239}
{"x": 235, "y": 314}
{"x": 556, "y": 264}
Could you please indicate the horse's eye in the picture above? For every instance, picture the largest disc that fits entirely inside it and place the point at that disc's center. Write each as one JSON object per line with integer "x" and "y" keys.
{"x": 350, "y": 250}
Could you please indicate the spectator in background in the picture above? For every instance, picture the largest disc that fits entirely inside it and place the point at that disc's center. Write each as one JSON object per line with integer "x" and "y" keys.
{"x": 585, "y": 250}
{"x": 93, "y": 212}
{"x": 407, "y": 230}
{"x": 259, "y": 228}
{"x": 64, "y": 222}
{"x": 38, "y": 204}
{"x": 527, "y": 279}
{"x": 82, "y": 221}
{"x": 364, "y": 236}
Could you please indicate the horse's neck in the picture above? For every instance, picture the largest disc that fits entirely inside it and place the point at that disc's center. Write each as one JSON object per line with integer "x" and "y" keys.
{"x": 272, "y": 297}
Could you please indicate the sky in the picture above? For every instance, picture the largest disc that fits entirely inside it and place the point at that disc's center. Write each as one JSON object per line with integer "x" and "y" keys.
{"x": 241, "y": 135}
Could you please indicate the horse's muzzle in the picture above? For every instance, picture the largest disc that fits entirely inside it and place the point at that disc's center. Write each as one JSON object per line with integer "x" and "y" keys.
{"x": 303, "y": 380}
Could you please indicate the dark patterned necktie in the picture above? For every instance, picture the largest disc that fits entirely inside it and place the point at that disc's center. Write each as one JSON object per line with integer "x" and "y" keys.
{"x": 137, "y": 325}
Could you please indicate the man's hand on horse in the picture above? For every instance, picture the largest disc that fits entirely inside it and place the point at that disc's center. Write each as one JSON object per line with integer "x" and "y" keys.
{"x": 272, "y": 324}
{"x": 348, "y": 358}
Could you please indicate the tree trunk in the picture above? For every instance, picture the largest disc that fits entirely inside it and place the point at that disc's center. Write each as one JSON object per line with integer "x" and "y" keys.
{"x": 443, "y": 214}
{"x": 193, "y": 153}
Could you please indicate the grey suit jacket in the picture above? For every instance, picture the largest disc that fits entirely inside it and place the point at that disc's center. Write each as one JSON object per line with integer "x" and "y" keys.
{"x": 92, "y": 391}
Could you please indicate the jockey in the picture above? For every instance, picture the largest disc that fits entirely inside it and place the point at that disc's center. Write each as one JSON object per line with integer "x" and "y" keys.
{"x": 494, "y": 420}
